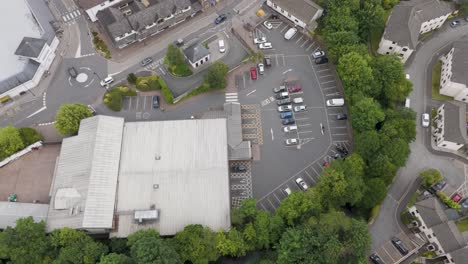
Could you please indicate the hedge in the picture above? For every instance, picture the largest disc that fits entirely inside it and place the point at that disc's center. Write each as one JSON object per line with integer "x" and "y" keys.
{"x": 29, "y": 135}
{"x": 113, "y": 98}
{"x": 166, "y": 92}
{"x": 149, "y": 83}
{"x": 448, "y": 201}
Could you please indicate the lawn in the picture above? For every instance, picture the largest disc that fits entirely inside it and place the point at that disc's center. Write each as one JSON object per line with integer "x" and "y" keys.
{"x": 376, "y": 35}
{"x": 412, "y": 201}
{"x": 374, "y": 213}
{"x": 436, "y": 83}
{"x": 181, "y": 70}
{"x": 462, "y": 225}
{"x": 113, "y": 98}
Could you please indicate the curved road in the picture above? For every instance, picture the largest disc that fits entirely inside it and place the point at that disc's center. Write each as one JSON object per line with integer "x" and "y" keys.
{"x": 419, "y": 67}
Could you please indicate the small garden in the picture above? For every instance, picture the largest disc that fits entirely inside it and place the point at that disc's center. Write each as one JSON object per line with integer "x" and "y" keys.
{"x": 436, "y": 69}
{"x": 101, "y": 46}
{"x": 462, "y": 224}
{"x": 152, "y": 83}
{"x": 113, "y": 98}
{"x": 175, "y": 62}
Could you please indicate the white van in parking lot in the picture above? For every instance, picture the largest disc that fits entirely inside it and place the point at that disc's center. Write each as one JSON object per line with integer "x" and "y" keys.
{"x": 290, "y": 33}
{"x": 335, "y": 102}
{"x": 222, "y": 48}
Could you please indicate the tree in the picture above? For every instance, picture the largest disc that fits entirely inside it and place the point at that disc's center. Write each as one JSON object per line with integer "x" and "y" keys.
{"x": 368, "y": 144}
{"x": 356, "y": 74}
{"x": 29, "y": 135}
{"x": 132, "y": 78}
{"x": 431, "y": 176}
{"x": 26, "y": 243}
{"x": 357, "y": 241}
{"x": 216, "y": 75}
{"x": 374, "y": 193}
{"x": 248, "y": 210}
{"x": 371, "y": 16}
{"x": 114, "y": 258}
{"x": 174, "y": 56}
{"x": 299, "y": 206}
{"x": 336, "y": 190}
{"x": 365, "y": 114}
{"x": 396, "y": 149}
{"x": 268, "y": 229}
{"x": 463, "y": 6}
{"x": 232, "y": 244}
{"x": 381, "y": 167}
{"x": 196, "y": 244}
{"x": 10, "y": 141}
{"x": 147, "y": 247}
{"x": 69, "y": 116}
{"x": 400, "y": 124}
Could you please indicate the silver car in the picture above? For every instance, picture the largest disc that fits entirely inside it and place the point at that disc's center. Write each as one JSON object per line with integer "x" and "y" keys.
{"x": 284, "y": 108}
{"x": 302, "y": 184}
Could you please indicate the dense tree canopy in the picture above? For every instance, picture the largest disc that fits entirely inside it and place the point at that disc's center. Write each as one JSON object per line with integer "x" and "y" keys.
{"x": 216, "y": 75}
{"x": 431, "y": 176}
{"x": 147, "y": 247}
{"x": 174, "y": 56}
{"x": 196, "y": 244}
{"x": 10, "y": 141}
{"x": 69, "y": 116}
{"x": 365, "y": 114}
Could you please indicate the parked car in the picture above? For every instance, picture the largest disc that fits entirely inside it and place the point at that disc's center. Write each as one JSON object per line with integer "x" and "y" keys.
{"x": 437, "y": 186}
{"x": 376, "y": 259}
{"x": 239, "y": 168}
{"x": 291, "y": 141}
{"x": 294, "y": 88}
{"x": 342, "y": 150}
{"x": 457, "y": 197}
{"x": 267, "y": 60}
{"x": 179, "y": 42}
{"x": 341, "y": 116}
{"x": 399, "y": 245}
{"x": 325, "y": 164}
{"x": 286, "y": 115}
{"x": 455, "y": 23}
{"x": 155, "y": 102}
{"x": 259, "y": 40}
{"x": 282, "y": 95}
{"x": 284, "y": 108}
{"x": 266, "y": 45}
{"x": 298, "y": 100}
{"x": 267, "y": 25}
{"x": 290, "y": 33}
{"x": 283, "y": 101}
{"x": 289, "y": 129}
{"x": 221, "y": 46}
{"x": 318, "y": 54}
{"x": 287, "y": 191}
{"x": 335, "y": 102}
{"x": 253, "y": 73}
{"x": 146, "y": 61}
{"x": 338, "y": 156}
{"x": 321, "y": 60}
{"x": 425, "y": 120}
{"x": 302, "y": 184}
{"x": 274, "y": 16}
{"x": 220, "y": 19}
{"x": 466, "y": 18}
{"x": 407, "y": 102}
{"x": 464, "y": 204}
{"x": 261, "y": 68}
{"x": 72, "y": 71}
{"x": 299, "y": 108}
{"x": 288, "y": 121}
{"x": 279, "y": 89}
{"x": 108, "y": 80}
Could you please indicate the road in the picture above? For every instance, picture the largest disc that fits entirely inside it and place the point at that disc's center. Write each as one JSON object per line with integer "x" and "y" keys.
{"x": 387, "y": 223}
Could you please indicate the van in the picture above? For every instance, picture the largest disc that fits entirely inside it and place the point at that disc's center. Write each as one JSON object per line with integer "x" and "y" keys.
{"x": 222, "y": 48}
{"x": 407, "y": 103}
{"x": 335, "y": 102}
{"x": 290, "y": 33}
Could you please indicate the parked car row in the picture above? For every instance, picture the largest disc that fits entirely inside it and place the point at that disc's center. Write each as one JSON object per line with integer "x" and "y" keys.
{"x": 398, "y": 244}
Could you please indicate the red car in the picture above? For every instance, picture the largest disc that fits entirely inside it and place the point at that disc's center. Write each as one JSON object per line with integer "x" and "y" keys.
{"x": 253, "y": 73}
{"x": 294, "y": 88}
{"x": 457, "y": 197}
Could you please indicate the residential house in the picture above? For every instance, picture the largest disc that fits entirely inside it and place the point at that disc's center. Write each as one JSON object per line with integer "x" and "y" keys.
{"x": 197, "y": 55}
{"x": 453, "y": 76}
{"x": 132, "y": 21}
{"x": 303, "y": 13}
{"x": 446, "y": 133}
{"x": 410, "y": 19}
{"x": 439, "y": 230}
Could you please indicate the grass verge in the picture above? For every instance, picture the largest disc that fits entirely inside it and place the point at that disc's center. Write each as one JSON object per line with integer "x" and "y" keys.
{"x": 113, "y": 98}
{"x": 181, "y": 70}
{"x": 373, "y": 214}
{"x": 166, "y": 92}
{"x": 462, "y": 225}
{"x": 436, "y": 69}
{"x": 101, "y": 46}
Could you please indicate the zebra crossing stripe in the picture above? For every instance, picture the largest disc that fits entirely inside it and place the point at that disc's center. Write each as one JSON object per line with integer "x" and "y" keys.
{"x": 76, "y": 13}
{"x": 227, "y": 94}
{"x": 65, "y": 19}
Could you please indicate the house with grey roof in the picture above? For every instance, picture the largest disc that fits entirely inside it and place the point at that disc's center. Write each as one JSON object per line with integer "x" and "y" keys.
{"x": 197, "y": 55}
{"x": 303, "y": 13}
{"x": 410, "y": 19}
{"x": 439, "y": 230}
{"x": 453, "y": 76}
{"x": 132, "y": 21}
{"x": 446, "y": 133}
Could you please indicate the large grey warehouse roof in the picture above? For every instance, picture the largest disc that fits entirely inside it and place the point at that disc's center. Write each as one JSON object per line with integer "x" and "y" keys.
{"x": 460, "y": 61}
{"x": 85, "y": 181}
{"x": 179, "y": 168}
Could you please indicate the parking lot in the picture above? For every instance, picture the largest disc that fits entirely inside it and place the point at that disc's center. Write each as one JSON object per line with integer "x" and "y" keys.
{"x": 390, "y": 254}
{"x": 318, "y": 130}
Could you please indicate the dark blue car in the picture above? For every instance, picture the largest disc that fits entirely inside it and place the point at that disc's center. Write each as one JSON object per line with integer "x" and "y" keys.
{"x": 220, "y": 19}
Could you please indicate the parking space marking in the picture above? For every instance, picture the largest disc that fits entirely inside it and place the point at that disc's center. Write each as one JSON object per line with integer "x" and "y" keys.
{"x": 310, "y": 46}
{"x": 303, "y": 132}
{"x": 328, "y": 75}
{"x": 338, "y": 127}
{"x": 323, "y": 70}
{"x": 261, "y": 204}
{"x": 303, "y": 125}
{"x": 302, "y": 118}
{"x": 276, "y": 197}
{"x": 272, "y": 205}
{"x": 144, "y": 102}
{"x": 299, "y": 39}
{"x": 328, "y": 82}
{"x": 304, "y": 43}
{"x": 284, "y": 28}
{"x": 339, "y": 134}
{"x": 333, "y": 94}
{"x": 328, "y": 88}
{"x": 310, "y": 176}
{"x": 393, "y": 260}
{"x": 284, "y": 62}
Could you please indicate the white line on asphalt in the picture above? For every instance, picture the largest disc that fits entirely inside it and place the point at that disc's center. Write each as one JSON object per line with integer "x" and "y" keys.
{"x": 328, "y": 88}
{"x": 231, "y": 96}
{"x": 227, "y": 36}
{"x": 302, "y": 118}
{"x": 274, "y": 208}
{"x": 315, "y": 107}
{"x": 304, "y": 132}
{"x": 323, "y": 70}
{"x": 251, "y": 92}
{"x": 341, "y": 141}
{"x": 304, "y": 125}
{"x": 325, "y": 76}
{"x": 315, "y": 170}
{"x": 383, "y": 247}
{"x": 231, "y": 93}
{"x": 37, "y": 112}
{"x": 264, "y": 208}
{"x": 272, "y": 136}
{"x": 92, "y": 80}
{"x": 76, "y": 13}
{"x": 328, "y": 82}
{"x": 231, "y": 100}
{"x": 276, "y": 57}
{"x": 276, "y": 198}
{"x": 310, "y": 176}
{"x": 286, "y": 71}
{"x": 316, "y": 49}
{"x": 65, "y": 19}
{"x": 285, "y": 27}
{"x": 144, "y": 102}
{"x": 338, "y": 127}
{"x": 333, "y": 94}
{"x": 284, "y": 63}
{"x": 304, "y": 43}
{"x": 339, "y": 134}
{"x": 299, "y": 39}
{"x": 162, "y": 71}
{"x": 310, "y": 46}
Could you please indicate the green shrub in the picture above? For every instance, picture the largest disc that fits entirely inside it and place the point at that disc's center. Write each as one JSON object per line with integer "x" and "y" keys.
{"x": 113, "y": 98}
{"x": 29, "y": 135}
{"x": 180, "y": 70}
{"x": 448, "y": 201}
{"x": 149, "y": 83}
{"x": 132, "y": 78}
{"x": 166, "y": 92}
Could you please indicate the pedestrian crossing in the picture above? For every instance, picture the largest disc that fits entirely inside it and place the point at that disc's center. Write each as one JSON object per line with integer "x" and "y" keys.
{"x": 232, "y": 97}
{"x": 71, "y": 16}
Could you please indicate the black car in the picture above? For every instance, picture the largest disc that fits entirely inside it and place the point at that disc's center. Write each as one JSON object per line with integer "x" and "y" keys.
{"x": 438, "y": 186}
{"x": 288, "y": 121}
{"x": 341, "y": 116}
{"x": 274, "y": 16}
{"x": 239, "y": 168}
{"x": 220, "y": 19}
{"x": 376, "y": 259}
{"x": 284, "y": 101}
{"x": 399, "y": 245}
{"x": 321, "y": 60}
{"x": 267, "y": 60}
{"x": 179, "y": 42}
{"x": 72, "y": 71}
{"x": 342, "y": 150}
{"x": 155, "y": 102}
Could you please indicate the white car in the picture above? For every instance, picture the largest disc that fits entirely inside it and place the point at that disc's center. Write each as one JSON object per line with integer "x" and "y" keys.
{"x": 267, "y": 25}
{"x": 287, "y": 191}
{"x": 318, "y": 54}
{"x": 266, "y": 45}
{"x": 335, "y": 102}
{"x": 425, "y": 120}
{"x": 261, "y": 68}
{"x": 259, "y": 40}
{"x": 284, "y": 108}
{"x": 302, "y": 184}
{"x": 299, "y": 108}
{"x": 108, "y": 80}
{"x": 287, "y": 129}
{"x": 292, "y": 141}
{"x": 298, "y": 100}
